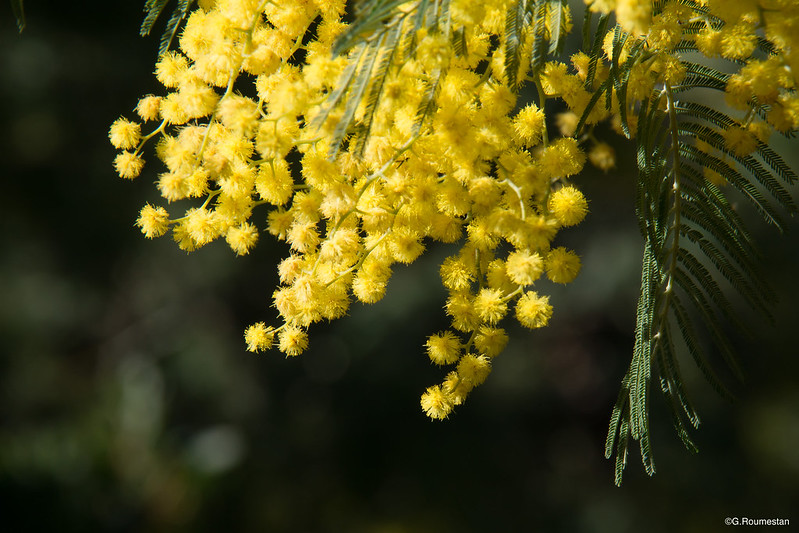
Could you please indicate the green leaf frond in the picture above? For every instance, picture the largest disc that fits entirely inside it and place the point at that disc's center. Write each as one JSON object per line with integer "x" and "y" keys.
{"x": 724, "y": 121}
{"x": 697, "y": 249}
{"x": 702, "y": 77}
{"x": 545, "y": 21}
{"x": 153, "y": 10}
{"x": 377, "y": 42}
{"x": 369, "y": 17}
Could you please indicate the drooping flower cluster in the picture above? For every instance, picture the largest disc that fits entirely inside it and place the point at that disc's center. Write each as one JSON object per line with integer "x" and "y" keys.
{"x": 249, "y": 131}
{"x": 477, "y": 170}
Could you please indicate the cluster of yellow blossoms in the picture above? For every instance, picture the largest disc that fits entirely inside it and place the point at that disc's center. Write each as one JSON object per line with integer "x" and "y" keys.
{"x": 762, "y": 85}
{"x": 236, "y": 132}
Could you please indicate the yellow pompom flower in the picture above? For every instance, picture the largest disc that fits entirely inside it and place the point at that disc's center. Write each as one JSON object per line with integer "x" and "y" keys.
{"x": 171, "y": 110}
{"x": 739, "y": 141}
{"x": 490, "y": 341}
{"x": 149, "y": 107}
{"x": 738, "y": 41}
{"x": 634, "y": 16}
{"x": 239, "y": 114}
{"x": 153, "y": 221}
{"x": 405, "y": 245}
{"x": 567, "y": 123}
{"x": 480, "y": 234}
{"x": 274, "y": 183}
{"x": 709, "y": 42}
{"x": 562, "y": 265}
{"x": 124, "y": 134}
{"x": 443, "y": 348}
{"x": 474, "y": 369}
{"x": 533, "y": 311}
{"x": 434, "y": 51}
{"x": 601, "y": 6}
{"x": 602, "y": 156}
{"x": 368, "y": 289}
{"x": 554, "y": 78}
{"x": 460, "y": 306}
{"x": 562, "y": 157}
{"x": 202, "y": 225}
{"x": 303, "y": 237}
{"x": 489, "y": 305}
{"x": 242, "y": 238}
{"x": 455, "y": 388}
{"x": 369, "y": 284}
{"x": 765, "y": 79}
{"x": 497, "y": 277}
{"x": 292, "y": 340}
{"x": 341, "y": 248}
{"x": 128, "y": 165}
{"x": 670, "y": 68}
{"x": 779, "y": 118}
{"x": 436, "y": 403}
{"x": 529, "y": 125}
{"x": 581, "y": 61}
{"x": 737, "y": 92}
{"x": 290, "y": 268}
{"x": 523, "y": 267}
{"x": 171, "y": 68}
{"x": 568, "y": 205}
{"x": 456, "y": 274}
{"x": 196, "y": 183}
{"x": 259, "y": 337}
{"x": 196, "y": 99}
{"x": 665, "y": 33}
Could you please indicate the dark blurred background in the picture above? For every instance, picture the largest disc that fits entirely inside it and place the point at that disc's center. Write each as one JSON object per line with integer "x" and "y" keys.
{"x": 129, "y": 403}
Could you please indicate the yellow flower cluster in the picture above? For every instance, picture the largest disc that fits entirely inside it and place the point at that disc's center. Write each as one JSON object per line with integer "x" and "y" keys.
{"x": 236, "y": 135}
{"x": 767, "y": 83}
{"x": 762, "y": 83}
{"x": 244, "y": 132}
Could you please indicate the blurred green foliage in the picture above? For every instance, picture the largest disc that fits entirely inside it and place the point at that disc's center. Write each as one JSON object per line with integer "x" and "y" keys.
{"x": 129, "y": 403}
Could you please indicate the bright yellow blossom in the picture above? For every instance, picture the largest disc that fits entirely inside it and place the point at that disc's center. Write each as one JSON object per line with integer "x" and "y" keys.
{"x": 436, "y": 403}
{"x": 124, "y": 134}
{"x": 533, "y": 311}
{"x": 562, "y": 265}
{"x": 443, "y": 348}
{"x": 259, "y": 337}
{"x": 153, "y": 221}
{"x": 568, "y": 205}
{"x": 128, "y": 165}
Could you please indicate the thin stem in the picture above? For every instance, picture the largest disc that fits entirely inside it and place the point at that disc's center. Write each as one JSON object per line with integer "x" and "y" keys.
{"x": 518, "y": 192}
{"x": 149, "y": 136}
{"x": 542, "y": 98}
{"x": 674, "y": 249}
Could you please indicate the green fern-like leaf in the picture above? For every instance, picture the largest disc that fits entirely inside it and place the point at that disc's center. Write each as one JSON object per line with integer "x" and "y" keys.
{"x": 697, "y": 248}
{"x": 699, "y": 259}
{"x": 376, "y": 40}
{"x": 370, "y": 16}
{"x": 528, "y": 18}
{"x": 153, "y": 10}
{"x": 387, "y": 54}
{"x": 557, "y": 36}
